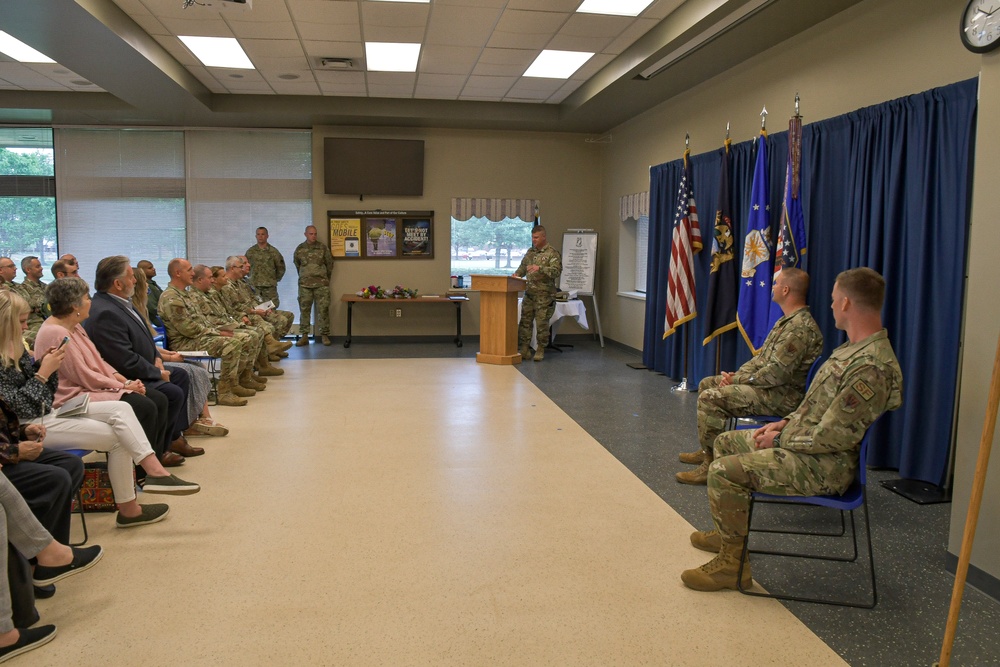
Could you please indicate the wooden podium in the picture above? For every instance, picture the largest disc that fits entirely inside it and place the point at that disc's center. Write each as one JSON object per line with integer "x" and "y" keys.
{"x": 498, "y": 318}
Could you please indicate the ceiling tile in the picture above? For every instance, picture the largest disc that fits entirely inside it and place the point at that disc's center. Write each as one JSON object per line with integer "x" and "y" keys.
{"x": 392, "y": 79}
{"x": 394, "y": 15}
{"x": 340, "y": 78}
{"x": 548, "y": 5}
{"x": 491, "y": 83}
{"x": 661, "y": 9}
{"x": 531, "y": 23}
{"x": 437, "y": 92}
{"x": 197, "y": 28}
{"x": 277, "y": 66}
{"x": 400, "y": 92}
{"x": 255, "y": 30}
{"x": 461, "y": 26}
{"x": 133, "y": 7}
{"x": 151, "y": 25}
{"x": 404, "y": 34}
{"x": 441, "y": 80}
{"x": 272, "y": 48}
{"x": 202, "y": 74}
{"x": 325, "y": 11}
{"x": 564, "y": 92}
{"x": 545, "y": 86}
{"x": 476, "y": 98}
{"x": 176, "y": 48}
{"x": 592, "y": 67}
{"x": 250, "y": 87}
{"x": 472, "y": 3}
{"x": 352, "y": 50}
{"x": 344, "y": 89}
{"x": 298, "y": 87}
{"x": 264, "y": 11}
{"x": 438, "y": 59}
{"x": 327, "y": 32}
{"x": 584, "y": 44}
{"x": 595, "y": 25}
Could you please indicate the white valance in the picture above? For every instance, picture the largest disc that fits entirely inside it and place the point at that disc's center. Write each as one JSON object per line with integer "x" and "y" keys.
{"x": 495, "y": 210}
{"x": 634, "y": 206}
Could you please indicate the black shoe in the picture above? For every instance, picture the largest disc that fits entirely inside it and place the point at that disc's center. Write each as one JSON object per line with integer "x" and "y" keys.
{"x": 30, "y": 638}
{"x": 45, "y": 592}
{"x": 83, "y": 559}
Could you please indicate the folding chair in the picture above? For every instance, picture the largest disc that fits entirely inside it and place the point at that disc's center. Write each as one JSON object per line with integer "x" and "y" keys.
{"x": 212, "y": 364}
{"x": 79, "y": 501}
{"x": 855, "y": 497}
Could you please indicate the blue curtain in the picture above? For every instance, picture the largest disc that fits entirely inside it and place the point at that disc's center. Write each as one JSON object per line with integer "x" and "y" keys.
{"x": 887, "y": 187}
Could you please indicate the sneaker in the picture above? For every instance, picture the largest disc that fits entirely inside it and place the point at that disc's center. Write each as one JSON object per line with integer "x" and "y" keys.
{"x": 150, "y": 514}
{"x": 83, "y": 559}
{"x": 29, "y": 638}
{"x": 171, "y": 485}
{"x": 210, "y": 427}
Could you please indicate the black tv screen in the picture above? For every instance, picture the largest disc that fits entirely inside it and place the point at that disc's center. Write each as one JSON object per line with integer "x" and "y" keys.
{"x": 373, "y": 166}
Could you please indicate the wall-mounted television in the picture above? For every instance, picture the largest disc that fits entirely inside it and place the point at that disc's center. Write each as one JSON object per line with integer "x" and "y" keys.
{"x": 373, "y": 166}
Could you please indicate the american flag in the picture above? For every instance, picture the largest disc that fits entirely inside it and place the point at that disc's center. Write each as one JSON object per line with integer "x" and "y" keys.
{"x": 685, "y": 242}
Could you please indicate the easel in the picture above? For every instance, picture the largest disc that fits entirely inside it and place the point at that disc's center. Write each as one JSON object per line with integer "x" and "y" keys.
{"x": 579, "y": 257}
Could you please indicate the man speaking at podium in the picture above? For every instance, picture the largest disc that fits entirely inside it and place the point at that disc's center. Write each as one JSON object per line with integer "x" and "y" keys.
{"x": 541, "y": 266}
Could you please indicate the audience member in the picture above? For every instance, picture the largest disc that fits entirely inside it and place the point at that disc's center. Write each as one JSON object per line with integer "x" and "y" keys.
{"x": 122, "y": 337}
{"x": 55, "y": 562}
{"x": 815, "y": 449}
{"x": 33, "y": 290}
{"x": 8, "y": 271}
{"x": 153, "y": 292}
{"x": 188, "y": 330}
{"x": 63, "y": 268}
{"x": 239, "y": 302}
{"x": 771, "y": 383}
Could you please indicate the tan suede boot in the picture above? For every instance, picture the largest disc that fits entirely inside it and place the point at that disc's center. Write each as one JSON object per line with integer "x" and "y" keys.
{"x": 721, "y": 571}
{"x": 698, "y": 476}
{"x": 269, "y": 371}
{"x": 539, "y": 353}
{"x": 247, "y": 382}
{"x": 227, "y": 397}
{"x": 274, "y": 345}
{"x": 525, "y": 352}
{"x": 707, "y": 540}
{"x": 692, "y": 458}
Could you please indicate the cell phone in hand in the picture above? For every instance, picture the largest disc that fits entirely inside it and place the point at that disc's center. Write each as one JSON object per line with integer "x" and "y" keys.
{"x": 63, "y": 343}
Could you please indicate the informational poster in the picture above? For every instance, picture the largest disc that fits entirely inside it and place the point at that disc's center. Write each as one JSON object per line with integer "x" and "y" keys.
{"x": 579, "y": 260}
{"x": 417, "y": 238}
{"x": 342, "y": 231}
{"x": 380, "y": 235}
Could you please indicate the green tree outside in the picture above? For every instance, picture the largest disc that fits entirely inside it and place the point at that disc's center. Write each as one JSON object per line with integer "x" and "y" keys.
{"x": 27, "y": 224}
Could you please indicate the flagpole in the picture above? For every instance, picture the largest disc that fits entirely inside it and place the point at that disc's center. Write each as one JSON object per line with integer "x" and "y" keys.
{"x": 684, "y": 386}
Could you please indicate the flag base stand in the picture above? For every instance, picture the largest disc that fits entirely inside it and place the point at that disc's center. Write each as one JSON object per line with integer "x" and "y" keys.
{"x": 683, "y": 386}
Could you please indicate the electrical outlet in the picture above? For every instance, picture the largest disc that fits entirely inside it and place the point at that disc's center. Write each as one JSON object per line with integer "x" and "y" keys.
{"x": 392, "y": 313}
{"x": 399, "y": 312}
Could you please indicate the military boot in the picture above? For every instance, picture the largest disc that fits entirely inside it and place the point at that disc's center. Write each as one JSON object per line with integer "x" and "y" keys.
{"x": 539, "y": 353}
{"x": 525, "y": 352}
{"x": 247, "y": 382}
{"x": 721, "y": 571}
{"x": 226, "y": 395}
{"x": 697, "y": 477}
{"x": 302, "y": 342}
{"x": 707, "y": 540}
{"x": 275, "y": 346}
{"x": 266, "y": 371}
{"x": 693, "y": 458}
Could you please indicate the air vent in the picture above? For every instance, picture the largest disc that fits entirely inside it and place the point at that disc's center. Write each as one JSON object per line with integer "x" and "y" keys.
{"x": 336, "y": 63}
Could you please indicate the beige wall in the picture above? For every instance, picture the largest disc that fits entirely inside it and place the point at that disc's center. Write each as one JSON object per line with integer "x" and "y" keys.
{"x": 982, "y": 326}
{"x": 875, "y": 51}
{"x": 561, "y": 170}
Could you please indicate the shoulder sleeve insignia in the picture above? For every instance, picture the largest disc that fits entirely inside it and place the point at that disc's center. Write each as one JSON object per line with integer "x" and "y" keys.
{"x": 862, "y": 388}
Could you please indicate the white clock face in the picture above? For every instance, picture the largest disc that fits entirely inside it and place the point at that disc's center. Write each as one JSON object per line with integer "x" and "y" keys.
{"x": 982, "y": 24}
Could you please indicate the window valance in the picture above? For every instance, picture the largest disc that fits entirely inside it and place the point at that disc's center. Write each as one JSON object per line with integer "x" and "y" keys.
{"x": 495, "y": 210}
{"x": 634, "y": 206}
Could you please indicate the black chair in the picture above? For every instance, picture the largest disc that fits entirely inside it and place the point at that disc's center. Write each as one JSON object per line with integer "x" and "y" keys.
{"x": 855, "y": 497}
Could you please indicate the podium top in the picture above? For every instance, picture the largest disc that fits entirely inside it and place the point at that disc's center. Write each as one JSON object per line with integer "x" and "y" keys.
{"x": 498, "y": 283}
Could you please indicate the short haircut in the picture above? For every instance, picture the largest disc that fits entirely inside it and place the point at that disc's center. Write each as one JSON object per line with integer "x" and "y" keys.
{"x": 109, "y": 270}
{"x": 200, "y": 269}
{"x": 9, "y": 260}
{"x": 232, "y": 261}
{"x": 26, "y": 262}
{"x": 538, "y": 229}
{"x": 260, "y": 228}
{"x": 66, "y": 295}
{"x": 797, "y": 281}
{"x": 60, "y": 266}
{"x": 864, "y": 286}
{"x": 144, "y": 263}
{"x": 174, "y": 266}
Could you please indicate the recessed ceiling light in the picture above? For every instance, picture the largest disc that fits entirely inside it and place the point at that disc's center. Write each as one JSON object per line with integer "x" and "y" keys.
{"x": 20, "y": 51}
{"x": 288, "y": 77}
{"x": 391, "y": 56}
{"x": 557, "y": 64}
{"x": 218, "y": 52}
{"x": 614, "y": 7}
{"x": 81, "y": 82}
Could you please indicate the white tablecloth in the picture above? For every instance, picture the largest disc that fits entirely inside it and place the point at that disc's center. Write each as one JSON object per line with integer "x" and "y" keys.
{"x": 573, "y": 308}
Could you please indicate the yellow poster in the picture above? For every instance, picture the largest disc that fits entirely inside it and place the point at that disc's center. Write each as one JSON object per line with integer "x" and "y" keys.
{"x": 345, "y": 237}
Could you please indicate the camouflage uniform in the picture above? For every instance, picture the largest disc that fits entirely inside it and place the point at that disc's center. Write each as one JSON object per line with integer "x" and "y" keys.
{"x": 279, "y": 320}
{"x": 188, "y": 329}
{"x": 539, "y": 296}
{"x": 314, "y": 264}
{"x": 818, "y": 448}
{"x": 771, "y": 383}
{"x": 33, "y": 292}
{"x": 267, "y": 267}
{"x": 216, "y": 316}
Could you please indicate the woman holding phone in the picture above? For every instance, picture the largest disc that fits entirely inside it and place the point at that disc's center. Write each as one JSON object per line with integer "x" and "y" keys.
{"x": 30, "y": 387}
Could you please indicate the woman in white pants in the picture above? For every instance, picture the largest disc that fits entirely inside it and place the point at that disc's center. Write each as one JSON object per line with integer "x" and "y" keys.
{"x": 30, "y": 387}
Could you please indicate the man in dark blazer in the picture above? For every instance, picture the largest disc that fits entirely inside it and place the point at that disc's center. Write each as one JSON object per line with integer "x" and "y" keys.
{"x": 124, "y": 340}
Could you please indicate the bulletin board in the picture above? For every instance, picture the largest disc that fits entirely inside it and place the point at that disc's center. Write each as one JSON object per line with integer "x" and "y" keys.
{"x": 381, "y": 234}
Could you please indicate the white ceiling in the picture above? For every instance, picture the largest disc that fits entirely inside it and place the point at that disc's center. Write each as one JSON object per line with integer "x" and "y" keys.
{"x": 126, "y": 55}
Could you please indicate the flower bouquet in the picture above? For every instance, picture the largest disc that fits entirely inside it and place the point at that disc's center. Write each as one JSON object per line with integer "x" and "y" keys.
{"x": 372, "y": 292}
{"x": 400, "y": 292}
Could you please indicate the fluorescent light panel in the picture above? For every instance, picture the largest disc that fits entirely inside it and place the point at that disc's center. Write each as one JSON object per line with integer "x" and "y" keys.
{"x": 614, "y": 7}
{"x": 218, "y": 52}
{"x": 552, "y": 64}
{"x": 391, "y": 56}
{"x": 20, "y": 51}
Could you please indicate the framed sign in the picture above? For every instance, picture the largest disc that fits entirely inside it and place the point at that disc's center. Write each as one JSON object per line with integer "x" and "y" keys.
{"x": 381, "y": 234}
{"x": 579, "y": 260}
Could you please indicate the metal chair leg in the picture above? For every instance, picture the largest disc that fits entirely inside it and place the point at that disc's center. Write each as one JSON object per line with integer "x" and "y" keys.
{"x": 83, "y": 520}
